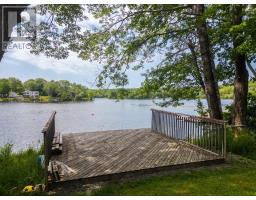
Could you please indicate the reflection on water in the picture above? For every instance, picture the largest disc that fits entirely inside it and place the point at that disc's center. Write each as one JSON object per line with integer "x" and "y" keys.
{"x": 21, "y": 123}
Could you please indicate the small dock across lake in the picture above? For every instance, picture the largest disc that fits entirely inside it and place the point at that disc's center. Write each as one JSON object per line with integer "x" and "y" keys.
{"x": 174, "y": 141}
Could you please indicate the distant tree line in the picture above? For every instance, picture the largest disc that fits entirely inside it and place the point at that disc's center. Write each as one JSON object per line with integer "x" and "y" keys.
{"x": 60, "y": 90}
{"x": 63, "y": 90}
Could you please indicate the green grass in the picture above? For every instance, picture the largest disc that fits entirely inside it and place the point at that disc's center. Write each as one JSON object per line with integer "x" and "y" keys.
{"x": 18, "y": 170}
{"x": 237, "y": 178}
{"x": 5, "y": 99}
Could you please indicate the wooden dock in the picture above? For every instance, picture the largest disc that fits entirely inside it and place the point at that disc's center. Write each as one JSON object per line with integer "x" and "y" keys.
{"x": 97, "y": 156}
{"x": 174, "y": 141}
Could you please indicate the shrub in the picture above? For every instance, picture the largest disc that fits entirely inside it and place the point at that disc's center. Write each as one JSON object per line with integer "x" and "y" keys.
{"x": 243, "y": 143}
{"x": 18, "y": 170}
{"x": 251, "y": 111}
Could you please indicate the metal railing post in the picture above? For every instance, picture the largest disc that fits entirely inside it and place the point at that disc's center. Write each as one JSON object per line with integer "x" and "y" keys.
{"x": 225, "y": 140}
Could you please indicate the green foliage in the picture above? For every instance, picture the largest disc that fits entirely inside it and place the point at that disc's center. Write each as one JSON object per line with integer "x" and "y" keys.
{"x": 64, "y": 91}
{"x": 129, "y": 36}
{"x": 252, "y": 87}
{"x": 243, "y": 143}
{"x": 55, "y": 90}
{"x": 18, "y": 170}
{"x": 227, "y": 114}
{"x": 200, "y": 109}
{"x": 35, "y": 85}
{"x": 51, "y": 89}
{"x": 178, "y": 79}
{"x": 45, "y": 99}
{"x": 15, "y": 85}
{"x": 122, "y": 93}
{"x": 52, "y": 40}
{"x": 251, "y": 110}
{"x": 4, "y": 87}
{"x": 227, "y": 91}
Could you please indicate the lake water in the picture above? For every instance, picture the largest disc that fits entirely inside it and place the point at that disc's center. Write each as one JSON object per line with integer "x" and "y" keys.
{"x": 21, "y": 123}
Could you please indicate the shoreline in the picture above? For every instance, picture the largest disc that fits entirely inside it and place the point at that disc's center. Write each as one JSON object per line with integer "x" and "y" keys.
{"x": 11, "y": 100}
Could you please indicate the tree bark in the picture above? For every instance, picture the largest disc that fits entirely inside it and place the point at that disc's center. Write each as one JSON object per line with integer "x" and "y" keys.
{"x": 241, "y": 73}
{"x": 211, "y": 85}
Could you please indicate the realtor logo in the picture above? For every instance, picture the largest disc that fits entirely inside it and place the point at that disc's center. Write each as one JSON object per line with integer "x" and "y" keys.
{"x": 18, "y": 24}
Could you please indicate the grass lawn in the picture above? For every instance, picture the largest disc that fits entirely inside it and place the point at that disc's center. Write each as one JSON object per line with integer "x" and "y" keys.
{"x": 238, "y": 178}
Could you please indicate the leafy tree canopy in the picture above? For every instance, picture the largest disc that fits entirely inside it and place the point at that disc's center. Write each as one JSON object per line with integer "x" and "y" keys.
{"x": 129, "y": 36}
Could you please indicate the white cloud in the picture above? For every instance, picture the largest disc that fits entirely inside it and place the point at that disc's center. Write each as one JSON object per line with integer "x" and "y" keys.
{"x": 23, "y": 65}
{"x": 72, "y": 64}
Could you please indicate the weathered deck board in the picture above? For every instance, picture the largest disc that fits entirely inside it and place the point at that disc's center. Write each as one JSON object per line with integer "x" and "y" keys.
{"x": 111, "y": 152}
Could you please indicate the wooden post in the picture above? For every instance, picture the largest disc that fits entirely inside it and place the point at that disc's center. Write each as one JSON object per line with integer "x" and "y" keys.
{"x": 48, "y": 134}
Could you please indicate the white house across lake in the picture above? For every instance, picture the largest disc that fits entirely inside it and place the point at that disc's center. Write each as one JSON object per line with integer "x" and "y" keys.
{"x": 33, "y": 94}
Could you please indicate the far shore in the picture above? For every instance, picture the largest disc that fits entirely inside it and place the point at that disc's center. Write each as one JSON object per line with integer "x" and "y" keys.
{"x": 48, "y": 99}
{"x": 41, "y": 99}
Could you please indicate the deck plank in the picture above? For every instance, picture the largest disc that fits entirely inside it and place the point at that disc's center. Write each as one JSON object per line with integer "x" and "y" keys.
{"x": 100, "y": 153}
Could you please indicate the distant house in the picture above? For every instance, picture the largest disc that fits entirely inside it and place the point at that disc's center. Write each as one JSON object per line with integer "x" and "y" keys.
{"x": 13, "y": 94}
{"x": 28, "y": 93}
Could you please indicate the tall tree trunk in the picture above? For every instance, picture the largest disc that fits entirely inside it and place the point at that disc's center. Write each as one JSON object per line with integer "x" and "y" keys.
{"x": 241, "y": 73}
{"x": 211, "y": 85}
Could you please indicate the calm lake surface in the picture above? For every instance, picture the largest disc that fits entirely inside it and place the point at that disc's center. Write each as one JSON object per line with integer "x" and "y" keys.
{"x": 21, "y": 123}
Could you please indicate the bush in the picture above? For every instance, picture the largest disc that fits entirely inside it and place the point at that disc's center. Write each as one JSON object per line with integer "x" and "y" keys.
{"x": 18, "y": 170}
{"x": 251, "y": 111}
{"x": 243, "y": 143}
